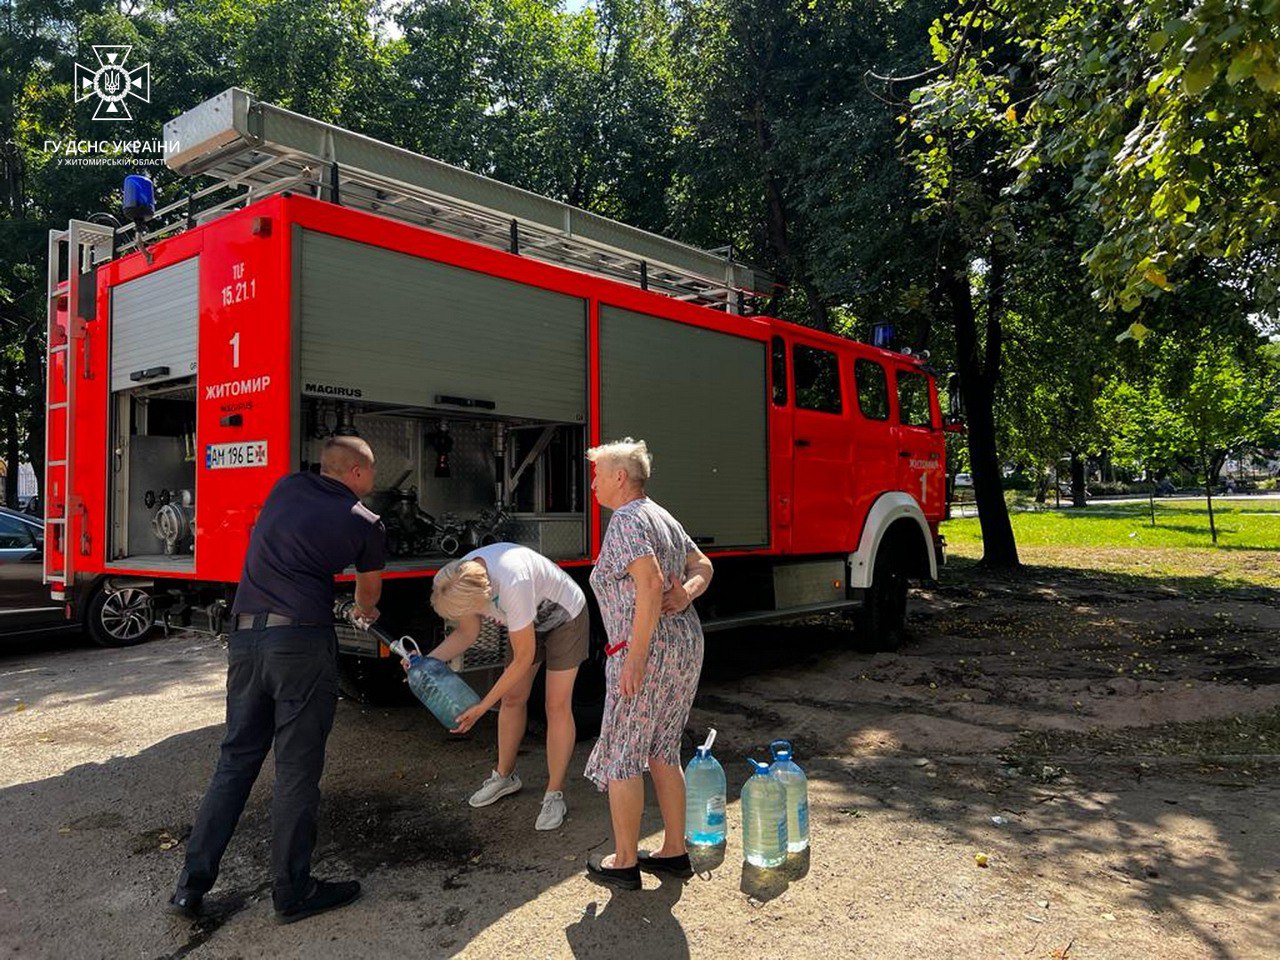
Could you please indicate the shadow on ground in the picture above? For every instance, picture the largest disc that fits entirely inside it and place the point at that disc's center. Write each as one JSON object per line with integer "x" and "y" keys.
{"x": 923, "y": 743}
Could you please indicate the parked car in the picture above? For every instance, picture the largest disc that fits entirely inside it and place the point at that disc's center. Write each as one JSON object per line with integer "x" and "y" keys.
{"x": 25, "y": 605}
{"x": 963, "y": 480}
{"x": 115, "y": 616}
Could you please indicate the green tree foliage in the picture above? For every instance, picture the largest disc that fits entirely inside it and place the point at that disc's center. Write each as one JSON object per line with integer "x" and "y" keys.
{"x": 1195, "y": 403}
{"x": 1167, "y": 113}
{"x": 970, "y": 170}
{"x": 786, "y": 150}
{"x": 959, "y": 123}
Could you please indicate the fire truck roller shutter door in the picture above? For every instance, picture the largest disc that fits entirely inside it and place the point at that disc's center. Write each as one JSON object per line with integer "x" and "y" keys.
{"x": 698, "y": 398}
{"x": 153, "y": 326}
{"x": 387, "y": 327}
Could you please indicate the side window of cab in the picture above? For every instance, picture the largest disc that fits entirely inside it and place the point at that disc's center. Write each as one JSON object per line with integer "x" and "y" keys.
{"x": 817, "y": 374}
{"x": 914, "y": 409}
{"x": 873, "y": 389}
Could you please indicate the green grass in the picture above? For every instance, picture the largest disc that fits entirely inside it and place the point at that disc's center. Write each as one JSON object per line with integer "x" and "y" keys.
{"x": 1242, "y": 525}
{"x": 1118, "y": 538}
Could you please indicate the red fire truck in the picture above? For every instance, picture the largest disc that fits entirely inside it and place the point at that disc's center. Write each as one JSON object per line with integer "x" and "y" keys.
{"x": 314, "y": 281}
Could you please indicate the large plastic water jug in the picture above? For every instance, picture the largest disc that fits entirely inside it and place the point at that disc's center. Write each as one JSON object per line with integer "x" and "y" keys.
{"x": 705, "y": 789}
{"x": 797, "y": 787}
{"x": 441, "y": 690}
{"x": 764, "y": 818}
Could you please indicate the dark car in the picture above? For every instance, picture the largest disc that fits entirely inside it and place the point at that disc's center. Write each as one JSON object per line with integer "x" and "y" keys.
{"x": 114, "y": 616}
{"x": 25, "y": 604}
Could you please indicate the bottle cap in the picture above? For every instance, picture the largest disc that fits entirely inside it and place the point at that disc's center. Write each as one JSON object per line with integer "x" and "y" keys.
{"x": 781, "y": 749}
{"x": 761, "y": 768}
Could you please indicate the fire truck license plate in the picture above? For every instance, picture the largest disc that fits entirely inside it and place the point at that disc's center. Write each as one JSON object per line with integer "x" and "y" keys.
{"x": 220, "y": 456}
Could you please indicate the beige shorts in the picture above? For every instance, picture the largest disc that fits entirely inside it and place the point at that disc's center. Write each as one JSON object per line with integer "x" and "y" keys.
{"x": 563, "y": 647}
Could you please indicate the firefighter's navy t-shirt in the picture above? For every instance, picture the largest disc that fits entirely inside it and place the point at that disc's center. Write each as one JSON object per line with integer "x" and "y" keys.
{"x": 310, "y": 528}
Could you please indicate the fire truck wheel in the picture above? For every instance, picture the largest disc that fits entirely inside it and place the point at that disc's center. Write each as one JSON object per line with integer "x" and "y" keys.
{"x": 374, "y": 682}
{"x": 880, "y": 624}
{"x": 120, "y": 617}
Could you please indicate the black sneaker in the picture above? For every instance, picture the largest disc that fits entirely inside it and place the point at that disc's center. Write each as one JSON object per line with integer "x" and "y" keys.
{"x": 624, "y": 878}
{"x": 677, "y": 866}
{"x": 186, "y": 905}
{"x": 324, "y": 895}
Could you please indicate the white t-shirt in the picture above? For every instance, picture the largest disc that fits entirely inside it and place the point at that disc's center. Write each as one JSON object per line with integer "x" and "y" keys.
{"x": 528, "y": 588}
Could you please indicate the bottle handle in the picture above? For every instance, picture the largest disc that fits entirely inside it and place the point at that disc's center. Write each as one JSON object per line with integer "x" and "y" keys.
{"x": 785, "y": 746}
{"x": 406, "y": 648}
{"x": 711, "y": 738}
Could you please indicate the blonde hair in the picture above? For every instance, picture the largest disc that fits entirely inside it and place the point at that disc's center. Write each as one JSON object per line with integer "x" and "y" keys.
{"x": 630, "y": 455}
{"x": 461, "y": 587}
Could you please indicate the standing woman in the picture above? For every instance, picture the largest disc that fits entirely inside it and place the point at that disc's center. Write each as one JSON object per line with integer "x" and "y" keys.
{"x": 647, "y": 574}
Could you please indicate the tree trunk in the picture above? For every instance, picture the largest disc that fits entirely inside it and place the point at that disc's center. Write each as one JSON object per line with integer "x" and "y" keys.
{"x": 1042, "y": 486}
{"x": 778, "y": 224}
{"x": 33, "y": 348}
{"x": 977, "y": 381}
{"x": 1208, "y": 496}
{"x": 12, "y": 447}
{"x": 1151, "y": 493}
{"x": 1078, "y": 498}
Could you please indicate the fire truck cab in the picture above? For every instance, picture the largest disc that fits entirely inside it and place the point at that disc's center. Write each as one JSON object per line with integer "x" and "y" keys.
{"x": 480, "y": 338}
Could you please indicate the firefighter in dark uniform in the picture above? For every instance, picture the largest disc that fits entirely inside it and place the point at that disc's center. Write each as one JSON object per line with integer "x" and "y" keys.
{"x": 282, "y": 681}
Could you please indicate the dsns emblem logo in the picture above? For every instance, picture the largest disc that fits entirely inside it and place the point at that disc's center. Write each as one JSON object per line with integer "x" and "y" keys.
{"x": 113, "y": 83}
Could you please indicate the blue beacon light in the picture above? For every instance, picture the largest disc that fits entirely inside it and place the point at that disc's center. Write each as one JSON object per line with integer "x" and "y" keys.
{"x": 139, "y": 198}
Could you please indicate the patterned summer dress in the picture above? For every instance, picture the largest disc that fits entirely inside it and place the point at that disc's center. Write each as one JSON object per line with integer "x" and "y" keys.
{"x": 651, "y": 723}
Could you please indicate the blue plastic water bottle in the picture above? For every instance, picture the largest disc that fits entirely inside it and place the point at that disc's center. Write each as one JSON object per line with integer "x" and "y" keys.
{"x": 705, "y": 790}
{"x": 441, "y": 690}
{"x": 797, "y": 787}
{"x": 764, "y": 818}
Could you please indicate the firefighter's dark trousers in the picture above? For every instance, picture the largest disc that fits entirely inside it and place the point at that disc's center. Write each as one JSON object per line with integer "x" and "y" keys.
{"x": 282, "y": 686}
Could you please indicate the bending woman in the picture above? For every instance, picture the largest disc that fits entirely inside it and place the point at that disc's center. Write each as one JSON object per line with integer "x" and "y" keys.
{"x": 546, "y": 617}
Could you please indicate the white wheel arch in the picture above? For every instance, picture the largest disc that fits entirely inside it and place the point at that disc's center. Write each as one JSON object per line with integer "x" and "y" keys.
{"x": 888, "y": 509}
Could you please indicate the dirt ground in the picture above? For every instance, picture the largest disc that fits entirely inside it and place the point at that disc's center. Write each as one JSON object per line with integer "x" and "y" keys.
{"x": 1113, "y": 750}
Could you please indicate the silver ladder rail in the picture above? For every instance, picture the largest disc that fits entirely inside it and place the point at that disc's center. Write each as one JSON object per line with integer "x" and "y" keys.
{"x": 261, "y": 149}
{"x": 80, "y": 247}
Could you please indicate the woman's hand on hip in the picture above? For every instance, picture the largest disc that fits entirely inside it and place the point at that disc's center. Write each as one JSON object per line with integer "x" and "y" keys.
{"x": 676, "y": 598}
{"x": 631, "y": 679}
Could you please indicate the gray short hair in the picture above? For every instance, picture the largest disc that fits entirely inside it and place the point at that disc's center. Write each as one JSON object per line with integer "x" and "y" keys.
{"x": 630, "y": 455}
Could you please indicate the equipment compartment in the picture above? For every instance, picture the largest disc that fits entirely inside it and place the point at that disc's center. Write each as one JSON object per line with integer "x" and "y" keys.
{"x": 447, "y": 484}
{"x": 153, "y": 460}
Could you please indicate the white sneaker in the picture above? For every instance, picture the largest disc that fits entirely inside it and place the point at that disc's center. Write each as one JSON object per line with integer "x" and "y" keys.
{"x": 553, "y": 811}
{"x": 495, "y": 788}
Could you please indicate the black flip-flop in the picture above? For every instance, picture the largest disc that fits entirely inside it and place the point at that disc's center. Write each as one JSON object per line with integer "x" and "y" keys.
{"x": 677, "y": 866}
{"x": 624, "y": 878}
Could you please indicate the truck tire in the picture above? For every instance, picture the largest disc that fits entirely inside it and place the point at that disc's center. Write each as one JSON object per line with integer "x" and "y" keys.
{"x": 373, "y": 681}
{"x": 880, "y": 624}
{"x": 120, "y": 617}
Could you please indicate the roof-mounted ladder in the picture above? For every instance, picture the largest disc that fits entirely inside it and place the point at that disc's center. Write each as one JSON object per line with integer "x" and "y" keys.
{"x": 260, "y": 149}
